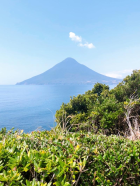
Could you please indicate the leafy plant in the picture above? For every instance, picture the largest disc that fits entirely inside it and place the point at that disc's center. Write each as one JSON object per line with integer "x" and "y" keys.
{"x": 58, "y": 158}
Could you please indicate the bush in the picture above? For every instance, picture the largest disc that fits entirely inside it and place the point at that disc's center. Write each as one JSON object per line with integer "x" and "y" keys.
{"x": 101, "y": 109}
{"x": 59, "y": 158}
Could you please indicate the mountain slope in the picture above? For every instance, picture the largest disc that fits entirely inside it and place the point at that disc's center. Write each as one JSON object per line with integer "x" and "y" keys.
{"x": 69, "y": 71}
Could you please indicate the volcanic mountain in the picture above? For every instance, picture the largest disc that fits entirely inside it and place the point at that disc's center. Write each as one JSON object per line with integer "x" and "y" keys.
{"x": 69, "y": 71}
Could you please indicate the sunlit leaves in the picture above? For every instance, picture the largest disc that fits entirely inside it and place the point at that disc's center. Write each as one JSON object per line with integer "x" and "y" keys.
{"x": 59, "y": 158}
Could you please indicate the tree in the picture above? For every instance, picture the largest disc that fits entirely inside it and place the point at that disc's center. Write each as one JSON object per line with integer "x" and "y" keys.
{"x": 132, "y": 116}
{"x": 127, "y": 87}
{"x": 103, "y": 110}
{"x": 99, "y": 88}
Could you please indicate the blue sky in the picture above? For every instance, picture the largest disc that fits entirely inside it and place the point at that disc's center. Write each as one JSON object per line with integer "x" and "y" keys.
{"x": 37, "y": 34}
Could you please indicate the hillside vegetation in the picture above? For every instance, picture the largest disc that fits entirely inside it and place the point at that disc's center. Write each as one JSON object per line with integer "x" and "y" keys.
{"x": 113, "y": 111}
{"x": 96, "y": 142}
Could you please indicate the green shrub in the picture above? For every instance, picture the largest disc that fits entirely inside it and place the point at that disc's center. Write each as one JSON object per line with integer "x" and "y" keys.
{"x": 60, "y": 158}
{"x": 101, "y": 109}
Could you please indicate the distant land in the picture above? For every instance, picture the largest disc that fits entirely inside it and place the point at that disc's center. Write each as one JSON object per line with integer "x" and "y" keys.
{"x": 69, "y": 71}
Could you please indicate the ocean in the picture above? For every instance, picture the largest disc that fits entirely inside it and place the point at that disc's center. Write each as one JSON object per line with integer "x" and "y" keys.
{"x": 30, "y": 107}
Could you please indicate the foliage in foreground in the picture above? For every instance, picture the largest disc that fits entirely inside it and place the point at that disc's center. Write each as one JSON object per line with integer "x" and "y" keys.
{"x": 63, "y": 159}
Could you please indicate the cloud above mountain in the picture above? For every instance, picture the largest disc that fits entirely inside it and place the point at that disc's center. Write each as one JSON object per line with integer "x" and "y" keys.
{"x": 77, "y": 38}
{"x": 74, "y": 37}
{"x": 88, "y": 45}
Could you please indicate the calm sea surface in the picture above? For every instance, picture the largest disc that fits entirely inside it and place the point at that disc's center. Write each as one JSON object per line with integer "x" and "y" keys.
{"x": 28, "y": 107}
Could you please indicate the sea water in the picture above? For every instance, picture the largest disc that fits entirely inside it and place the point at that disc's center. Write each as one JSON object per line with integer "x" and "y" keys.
{"x": 30, "y": 107}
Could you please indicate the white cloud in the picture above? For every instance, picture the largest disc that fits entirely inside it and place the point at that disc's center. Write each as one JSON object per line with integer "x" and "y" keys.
{"x": 74, "y": 37}
{"x": 119, "y": 74}
{"x": 88, "y": 45}
{"x": 114, "y": 75}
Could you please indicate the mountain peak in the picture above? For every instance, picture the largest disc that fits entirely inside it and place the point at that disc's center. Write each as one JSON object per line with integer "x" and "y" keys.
{"x": 69, "y": 60}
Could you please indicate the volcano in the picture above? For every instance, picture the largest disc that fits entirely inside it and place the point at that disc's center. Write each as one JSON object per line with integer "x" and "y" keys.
{"x": 69, "y": 71}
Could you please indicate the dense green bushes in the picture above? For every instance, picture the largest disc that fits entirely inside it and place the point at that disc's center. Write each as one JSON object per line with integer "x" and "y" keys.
{"x": 65, "y": 159}
{"x": 102, "y": 110}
